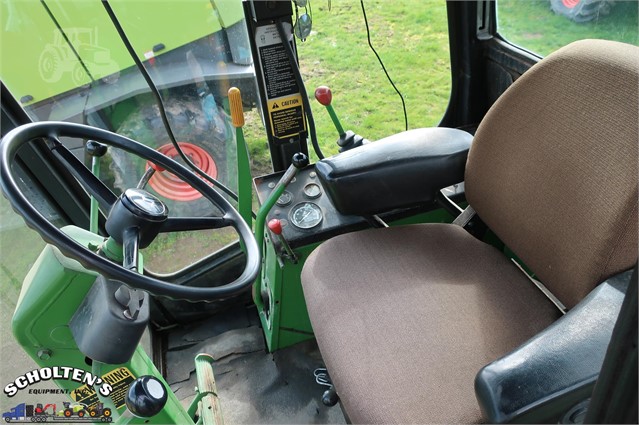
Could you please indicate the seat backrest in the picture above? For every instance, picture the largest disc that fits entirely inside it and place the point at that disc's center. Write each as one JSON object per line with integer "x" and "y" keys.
{"x": 553, "y": 166}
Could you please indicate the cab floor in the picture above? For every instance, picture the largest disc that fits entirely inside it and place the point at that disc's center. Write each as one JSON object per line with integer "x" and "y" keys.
{"x": 254, "y": 386}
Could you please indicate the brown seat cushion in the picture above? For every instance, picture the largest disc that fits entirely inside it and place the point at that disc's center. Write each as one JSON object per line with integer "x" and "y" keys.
{"x": 403, "y": 335}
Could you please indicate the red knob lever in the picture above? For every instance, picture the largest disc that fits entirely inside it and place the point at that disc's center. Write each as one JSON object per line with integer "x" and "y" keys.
{"x": 323, "y": 95}
{"x": 275, "y": 226}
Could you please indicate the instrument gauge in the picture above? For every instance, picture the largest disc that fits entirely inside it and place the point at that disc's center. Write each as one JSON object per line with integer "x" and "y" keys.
{"x": 285, "y": 198}
{"x": 312, "y": 190}
{"x": 306, "y": 215}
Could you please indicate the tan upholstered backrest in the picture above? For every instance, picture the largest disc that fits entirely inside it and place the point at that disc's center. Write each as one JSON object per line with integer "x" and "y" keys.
{"x": 553, "y": 166}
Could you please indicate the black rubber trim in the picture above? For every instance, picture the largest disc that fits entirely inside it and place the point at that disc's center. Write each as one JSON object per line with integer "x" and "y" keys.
{"x": 614, "y": 400}
{"x": 545, "y": 377}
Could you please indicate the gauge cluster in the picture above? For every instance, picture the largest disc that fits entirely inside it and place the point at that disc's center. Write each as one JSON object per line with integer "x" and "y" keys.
{"x": 305, "y": 209}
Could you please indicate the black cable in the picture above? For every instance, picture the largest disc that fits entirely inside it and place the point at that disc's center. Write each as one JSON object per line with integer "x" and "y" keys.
{"x": 66, "y": 39}
{"x": 300, "y": 84}
{"x": 160, "y": 104}
{"x": 368, "y": 35}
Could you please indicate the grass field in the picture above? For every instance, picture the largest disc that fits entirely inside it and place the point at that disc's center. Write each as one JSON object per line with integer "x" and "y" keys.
{"x": 531, "y": 24}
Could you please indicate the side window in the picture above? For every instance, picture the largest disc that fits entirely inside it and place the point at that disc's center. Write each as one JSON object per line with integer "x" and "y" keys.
{"x": 543, "y": 26}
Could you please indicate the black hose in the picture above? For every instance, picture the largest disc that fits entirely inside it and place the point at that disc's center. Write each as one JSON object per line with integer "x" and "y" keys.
{"x": 379, "y": 59}
{"x": 300, "y": 84}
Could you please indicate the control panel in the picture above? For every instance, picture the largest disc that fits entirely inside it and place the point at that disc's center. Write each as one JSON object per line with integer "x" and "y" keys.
{"x": 305, "y": 210}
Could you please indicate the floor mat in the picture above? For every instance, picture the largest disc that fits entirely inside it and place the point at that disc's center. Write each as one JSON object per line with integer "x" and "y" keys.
{"x": 254, "y": 386}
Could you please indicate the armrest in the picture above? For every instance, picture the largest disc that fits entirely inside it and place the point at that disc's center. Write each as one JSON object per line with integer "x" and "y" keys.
{"x": 402, "y": 170}
{"x": 542, "y": 379}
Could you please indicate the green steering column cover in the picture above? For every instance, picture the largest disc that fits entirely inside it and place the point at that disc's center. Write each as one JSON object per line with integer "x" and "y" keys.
{"x": 51, "y": 293}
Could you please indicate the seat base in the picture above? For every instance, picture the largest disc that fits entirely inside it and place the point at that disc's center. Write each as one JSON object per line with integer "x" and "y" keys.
{"x": 406, "y": 316}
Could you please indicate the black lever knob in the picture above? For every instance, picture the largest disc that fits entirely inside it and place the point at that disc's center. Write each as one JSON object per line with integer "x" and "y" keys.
{"x": 146, "y": 396}
{"x": 330, "y": 397}
{"x": 300, "y": 160}
{"x": 96, "y": 149}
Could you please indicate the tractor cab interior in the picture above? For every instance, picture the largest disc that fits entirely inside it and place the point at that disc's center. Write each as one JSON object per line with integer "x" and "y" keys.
{"x": 424, "y": 308}
{"x": 481, "y": 269}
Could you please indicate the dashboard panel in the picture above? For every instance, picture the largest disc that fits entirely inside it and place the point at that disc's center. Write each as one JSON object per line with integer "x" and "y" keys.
{"x": 305, "y": 210}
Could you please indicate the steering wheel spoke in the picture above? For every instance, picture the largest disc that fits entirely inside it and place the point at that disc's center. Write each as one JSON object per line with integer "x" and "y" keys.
{"x": 182, "y": 224}
{"x": 91, "y": 183}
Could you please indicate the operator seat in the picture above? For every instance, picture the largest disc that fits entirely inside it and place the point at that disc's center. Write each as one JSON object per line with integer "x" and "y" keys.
{"x": 406, "y": 316}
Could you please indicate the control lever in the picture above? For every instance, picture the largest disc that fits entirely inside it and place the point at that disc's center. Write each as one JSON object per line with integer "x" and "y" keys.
{"x": 275, "y": 226}
{"x": 347, "y": 139}
{"x": 329, "y": 397}
{"x": 146, "y": 398}
{"x": 96, "y": 151}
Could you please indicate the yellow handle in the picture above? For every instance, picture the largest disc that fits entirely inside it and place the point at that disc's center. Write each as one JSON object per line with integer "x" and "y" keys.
{"x": 235, "y": 103}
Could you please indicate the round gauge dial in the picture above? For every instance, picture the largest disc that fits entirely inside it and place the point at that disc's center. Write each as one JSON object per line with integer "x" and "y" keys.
{"x": 306, "y": 215}
{"x": 285, "y": 199}
{"x": 312, "y": 190}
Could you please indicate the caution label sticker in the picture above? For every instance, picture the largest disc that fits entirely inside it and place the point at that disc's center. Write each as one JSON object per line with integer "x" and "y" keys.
{"x": 283, "y": 98}
{"x": 119, "y": 379}
{"x": 287, "y": 116}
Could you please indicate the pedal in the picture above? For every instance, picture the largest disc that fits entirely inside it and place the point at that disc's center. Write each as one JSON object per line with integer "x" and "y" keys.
{"x": 329, "y": 397}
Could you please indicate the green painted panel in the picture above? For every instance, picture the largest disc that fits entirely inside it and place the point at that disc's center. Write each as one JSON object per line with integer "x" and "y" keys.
{"x": 90, "y": 31}
{"x": 35, "y": 59}
{"x": 172, "y": 23}
{"x": 229, "y": 11}
{"x": 51, "y": 293}
{"x": 287, "y": 322}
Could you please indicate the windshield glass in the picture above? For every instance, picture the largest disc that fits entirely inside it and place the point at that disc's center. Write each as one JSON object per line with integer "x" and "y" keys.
{"x": 75, "y": 67}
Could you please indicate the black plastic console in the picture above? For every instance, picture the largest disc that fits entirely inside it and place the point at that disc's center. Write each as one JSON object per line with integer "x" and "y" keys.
{"x": 403, "y": 170}
{"x": 550, "y": 378}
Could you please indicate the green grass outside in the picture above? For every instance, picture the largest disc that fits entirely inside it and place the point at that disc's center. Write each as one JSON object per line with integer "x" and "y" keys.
{"x": 531, "y": 24}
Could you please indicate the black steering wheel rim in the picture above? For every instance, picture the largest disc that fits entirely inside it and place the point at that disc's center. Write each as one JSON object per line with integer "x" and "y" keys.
{"x": 52, "y": 131}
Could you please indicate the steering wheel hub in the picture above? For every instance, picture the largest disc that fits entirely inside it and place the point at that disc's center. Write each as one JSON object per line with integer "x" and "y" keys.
{"x": 136, "y": 209}
{"x": 145, "y": 205}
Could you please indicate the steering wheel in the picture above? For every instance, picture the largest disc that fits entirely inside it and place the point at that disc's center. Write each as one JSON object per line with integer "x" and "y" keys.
{"x": 135, "y": 217}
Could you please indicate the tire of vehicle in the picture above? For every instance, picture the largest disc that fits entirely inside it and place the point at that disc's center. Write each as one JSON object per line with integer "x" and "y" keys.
{"x": 581, "y": 10}
{"x": 189, "y": 124}
{"x": 50, "y": 65}
{"x": 81, "y": 413}
{"x": 92, "y": 413}
{"x": 7, "y": 419}
{"x": 106, "y": 412}
{"x": 78, "y": 75}
{"x": 68, "y": 413}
